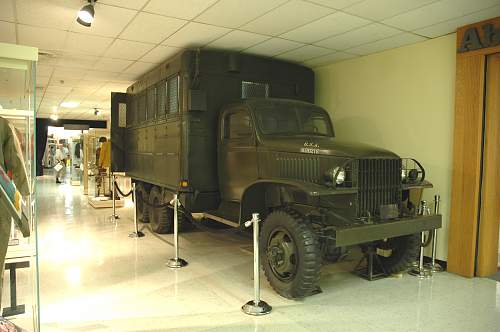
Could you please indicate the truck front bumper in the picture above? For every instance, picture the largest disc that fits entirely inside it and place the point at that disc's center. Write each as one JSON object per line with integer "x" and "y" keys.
{"x": 363, "y": 233}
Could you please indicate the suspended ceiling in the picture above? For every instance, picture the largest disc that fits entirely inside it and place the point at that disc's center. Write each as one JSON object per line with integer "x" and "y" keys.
{"x": 130, "y": 37}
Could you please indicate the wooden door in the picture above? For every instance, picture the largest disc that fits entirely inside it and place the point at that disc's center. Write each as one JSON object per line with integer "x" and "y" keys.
{"x": 489, "y": 220}
{"x": 474, "y": 211}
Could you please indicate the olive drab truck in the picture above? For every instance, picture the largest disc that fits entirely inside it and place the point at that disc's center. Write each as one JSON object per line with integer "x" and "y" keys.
{"x": 235, "y": 134}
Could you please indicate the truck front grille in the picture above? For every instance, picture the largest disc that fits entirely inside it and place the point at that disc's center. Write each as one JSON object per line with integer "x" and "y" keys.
{"x": 379, "y": 183}
{"x": 299, "y": 168}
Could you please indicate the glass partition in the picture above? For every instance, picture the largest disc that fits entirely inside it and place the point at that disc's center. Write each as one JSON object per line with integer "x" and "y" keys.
{"x": 19, "y": 292}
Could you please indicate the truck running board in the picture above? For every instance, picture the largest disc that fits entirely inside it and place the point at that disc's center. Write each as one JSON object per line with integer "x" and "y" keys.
{"x": 199, "y": 216}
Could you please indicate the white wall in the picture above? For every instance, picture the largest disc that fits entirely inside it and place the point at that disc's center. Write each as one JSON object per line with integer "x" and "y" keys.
{"x": 403, "y": 100}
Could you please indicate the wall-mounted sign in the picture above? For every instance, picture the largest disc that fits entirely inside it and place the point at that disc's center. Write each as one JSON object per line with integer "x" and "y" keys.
{"x": 476, "y": 38}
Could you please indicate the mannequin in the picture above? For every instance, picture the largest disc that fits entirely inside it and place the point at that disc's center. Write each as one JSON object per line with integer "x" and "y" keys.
{"x": 11, "y": 160}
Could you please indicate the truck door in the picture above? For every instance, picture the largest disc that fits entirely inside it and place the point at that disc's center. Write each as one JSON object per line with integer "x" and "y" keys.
{"x": 237, "y": 153}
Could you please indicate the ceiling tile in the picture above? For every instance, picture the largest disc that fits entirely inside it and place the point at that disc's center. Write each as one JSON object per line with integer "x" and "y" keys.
{"x": 381, "y": 9}
{"x": 128, "y": 50}
{"x": 64, "y": 83}
{"x": 273, "y": 46}
{"x": 109, "y": 21}
{"x": 330, "y": 25}
{"x": 363, "y": 35}
{"x": 112, "y": 65}
{"x": 7, "y": 32}
{"x": 450, "y": 26}
{"x": 128, "y": 77}
{"x": 86, "y": 44}
{"x": 61, "y": 73}
{"x": 133, "y": 4}
{"x": 185, "y": 9}
{"x": 6, "y": 11}
{"x": 140, "y": 68}
{"x": 235, "y": 13}
{"x": 99, "y": 75}
{"x": 285, "y": 18}
{"x": 304, "y": 53}
{"x": 328, "y": 59}
{"x": 151, "y": 28}
{"x": 57, "y": 14}
{"x": 75, "y": 60}
{"x": 43, "y": 38}
{"x": 160, "y": 54}
{"x": 58, "y": 90}
{"x": 88, "y": 84}
{"x": 195, "y": 34}
{"x": 336, "y": 4}
{"x": 437, "y": 12}
{"x": 237, "y": 40}
{"x": 384, "y": 44}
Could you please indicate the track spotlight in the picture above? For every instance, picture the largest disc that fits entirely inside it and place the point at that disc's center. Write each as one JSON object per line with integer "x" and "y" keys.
{"x": 86, "y": 14}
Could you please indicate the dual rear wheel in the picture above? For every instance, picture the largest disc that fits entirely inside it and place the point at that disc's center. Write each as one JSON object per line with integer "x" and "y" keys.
{"x": 153, "y": 209}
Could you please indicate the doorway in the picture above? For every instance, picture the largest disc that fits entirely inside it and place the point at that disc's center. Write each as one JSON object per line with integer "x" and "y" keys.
{"x": 473, "y": 236}
{"x": 488, "y": 253}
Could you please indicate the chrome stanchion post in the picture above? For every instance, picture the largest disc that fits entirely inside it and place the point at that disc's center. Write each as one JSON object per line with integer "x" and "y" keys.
{"x": 420, "y": 271}
{"x": 137, "y": 232}
{"x": 176, "y": 262}
{"x": 256, "y": 307}
{"x": 433, "y": 265}
{"x": 114, "y": 216}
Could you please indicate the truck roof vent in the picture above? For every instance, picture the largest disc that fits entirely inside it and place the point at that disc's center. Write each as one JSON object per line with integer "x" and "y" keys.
{"x": 254, "y": 90}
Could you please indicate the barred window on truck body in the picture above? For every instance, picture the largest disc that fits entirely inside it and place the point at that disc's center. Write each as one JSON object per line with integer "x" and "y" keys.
{"x": 142, "y": 108}
{"x": 173, "y": 94}
{"x": 254, "y": 89}
{"x": 151, "y": 114}
{"x": 131, "y": 119}
{"x": 161, "y": 96}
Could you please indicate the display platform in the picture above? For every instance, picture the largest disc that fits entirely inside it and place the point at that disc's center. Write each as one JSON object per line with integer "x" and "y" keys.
{"x": 104, "y": 202}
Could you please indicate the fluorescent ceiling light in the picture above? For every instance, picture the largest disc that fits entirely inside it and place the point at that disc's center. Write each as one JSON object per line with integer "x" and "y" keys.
{"x": 86, "y": 14}
{"x": 54, "y": 117}
{"x": 70, "y": 104}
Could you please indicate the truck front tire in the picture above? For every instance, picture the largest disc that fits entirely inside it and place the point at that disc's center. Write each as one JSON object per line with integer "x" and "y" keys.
{"x": 290, "y": 252}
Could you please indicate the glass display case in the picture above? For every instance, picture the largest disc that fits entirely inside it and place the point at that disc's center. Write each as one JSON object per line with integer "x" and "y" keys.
{"x": 19, "y": 295}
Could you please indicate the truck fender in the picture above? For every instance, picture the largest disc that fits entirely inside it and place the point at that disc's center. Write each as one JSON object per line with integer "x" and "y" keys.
{"x": 263, "y": 194}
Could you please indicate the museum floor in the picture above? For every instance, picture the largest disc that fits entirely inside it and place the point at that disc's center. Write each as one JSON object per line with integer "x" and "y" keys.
{"x": 93, "y": 277}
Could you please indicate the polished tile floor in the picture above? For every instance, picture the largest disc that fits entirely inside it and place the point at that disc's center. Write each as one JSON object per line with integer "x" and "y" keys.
{"x": 93, "y": 277}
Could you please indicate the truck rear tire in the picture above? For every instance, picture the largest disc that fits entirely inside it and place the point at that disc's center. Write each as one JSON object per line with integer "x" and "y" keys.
{"x": 159, "y": 217}
{"x": 290, "y": 252}
{"x": 142, "y": 207}
{"x": 403, "y": 250}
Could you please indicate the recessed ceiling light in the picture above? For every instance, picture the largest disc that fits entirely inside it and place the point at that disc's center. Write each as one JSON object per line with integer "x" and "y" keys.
{"x": 70, "y": 104}
{"x": 86, "y": 14}
{"x": 54, "y": 117}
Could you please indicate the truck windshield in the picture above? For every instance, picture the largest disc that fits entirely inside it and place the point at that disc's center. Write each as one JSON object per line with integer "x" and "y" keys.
{"x": 293, "y": 119}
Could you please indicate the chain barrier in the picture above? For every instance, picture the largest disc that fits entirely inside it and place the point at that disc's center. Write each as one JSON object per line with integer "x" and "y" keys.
{"x": 121, "y": 192}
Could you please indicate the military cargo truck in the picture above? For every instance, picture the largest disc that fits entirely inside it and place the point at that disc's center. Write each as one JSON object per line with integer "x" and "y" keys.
{"x": 235, "y": 134}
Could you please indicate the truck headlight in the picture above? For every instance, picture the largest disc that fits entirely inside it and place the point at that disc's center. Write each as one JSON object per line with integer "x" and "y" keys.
{"x": 339, "y": 173}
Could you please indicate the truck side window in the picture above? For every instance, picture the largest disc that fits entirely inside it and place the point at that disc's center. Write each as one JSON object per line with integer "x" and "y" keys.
{"x": 151, "y": 114}
{"x": 173, "y": 94}
{"x": 237, "y": 125}
{"x": 161, "y": 99}
{"x": 142, "y": 108}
